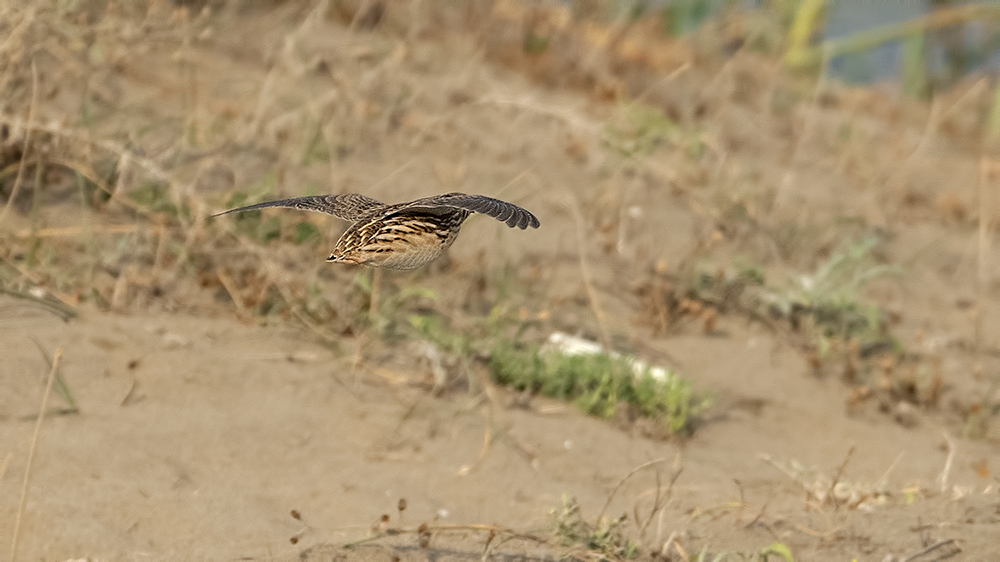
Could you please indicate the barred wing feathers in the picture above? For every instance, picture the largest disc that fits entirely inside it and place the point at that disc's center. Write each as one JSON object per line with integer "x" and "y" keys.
{"x": 347, "y": 206}
{"x": 503, "y": 211}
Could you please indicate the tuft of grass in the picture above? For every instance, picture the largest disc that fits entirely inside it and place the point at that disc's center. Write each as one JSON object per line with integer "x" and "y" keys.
{"x": 609, "y": 540}
{"x": 825, "y": 304}
{"x": 598, "y": 384}
{"x": 822, "y": 312}
{"x": 606, "y": 538}
{"x": 830, "y": 298}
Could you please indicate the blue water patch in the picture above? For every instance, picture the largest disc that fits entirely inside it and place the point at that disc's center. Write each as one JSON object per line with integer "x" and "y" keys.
{"x": 848, "y": 17}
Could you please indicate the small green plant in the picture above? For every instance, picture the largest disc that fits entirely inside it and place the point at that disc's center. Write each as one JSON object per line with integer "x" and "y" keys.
{"x": 824, "y": 309}
{"x": 606, "y": 538}
{"x": 778, "y": 549}
{"x": 598, "y": 384}
{"x": 830, "y": 297}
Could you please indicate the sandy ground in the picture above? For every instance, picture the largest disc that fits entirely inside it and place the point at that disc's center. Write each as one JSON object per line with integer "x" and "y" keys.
{"x": 198, "y": 436}
{"x": 200, "y": 430}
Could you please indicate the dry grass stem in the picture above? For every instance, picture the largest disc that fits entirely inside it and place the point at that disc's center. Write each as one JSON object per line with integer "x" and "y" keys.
{"x": 75, "y": 231}
{"x": 944, "y": 479}
{"x": 838, "y": 474}
{"x": 16, "y": 535}
{"x": 575, "y": 120}
{"x": 425, "y": 529}
{"x": 624, "y": 479}
{"x": 585, "y": 276}
{"x": 234, "y": 295}
{"x": 936, "y": 546}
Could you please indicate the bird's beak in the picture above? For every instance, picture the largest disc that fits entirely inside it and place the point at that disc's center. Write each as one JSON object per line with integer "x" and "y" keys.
{"x": 342, "y": 259}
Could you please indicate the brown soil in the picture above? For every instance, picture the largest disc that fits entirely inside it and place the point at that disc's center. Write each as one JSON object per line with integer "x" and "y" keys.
{"x": 204, "y": 421}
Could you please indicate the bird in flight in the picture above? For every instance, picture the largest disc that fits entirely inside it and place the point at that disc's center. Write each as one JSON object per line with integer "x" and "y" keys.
{"x": 404, "y": 235}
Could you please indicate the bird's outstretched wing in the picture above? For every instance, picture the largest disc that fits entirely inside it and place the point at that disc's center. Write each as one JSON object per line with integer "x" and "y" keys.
{"x": 500, "y": 210}
{"x": 348, "y": 206}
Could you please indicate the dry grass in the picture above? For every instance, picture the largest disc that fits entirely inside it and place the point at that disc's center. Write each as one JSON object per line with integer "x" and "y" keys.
{"x": 42, "y": 408}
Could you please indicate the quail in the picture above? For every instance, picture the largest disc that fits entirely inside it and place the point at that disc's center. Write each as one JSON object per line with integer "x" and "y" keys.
{"x": 404, "y": 235}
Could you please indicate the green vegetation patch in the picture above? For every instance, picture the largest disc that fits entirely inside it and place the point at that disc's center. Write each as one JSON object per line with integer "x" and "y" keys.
{"x": 606, "y": 539}
{"x": 599, "y": 384}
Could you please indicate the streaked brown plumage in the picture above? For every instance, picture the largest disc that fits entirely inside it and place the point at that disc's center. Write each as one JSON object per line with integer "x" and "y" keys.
{"x": 404, "y": 235}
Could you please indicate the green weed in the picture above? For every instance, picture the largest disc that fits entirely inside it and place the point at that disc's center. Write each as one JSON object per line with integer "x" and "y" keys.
{"x": 598, "y": 384}
{"x": 606, "y": 538}
{"x": 823, "y": 312}
{"x": 830, "y": 298}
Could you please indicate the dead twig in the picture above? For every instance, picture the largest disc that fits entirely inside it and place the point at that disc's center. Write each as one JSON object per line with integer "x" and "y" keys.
{"x": 425, "y": 529}
{"x": 234, "y": 295}
{"x": 936, "y": 546}
{"x": 626, "y": 477}
{"x": 660, "y": 500}
{"x": 836, "y": 477}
